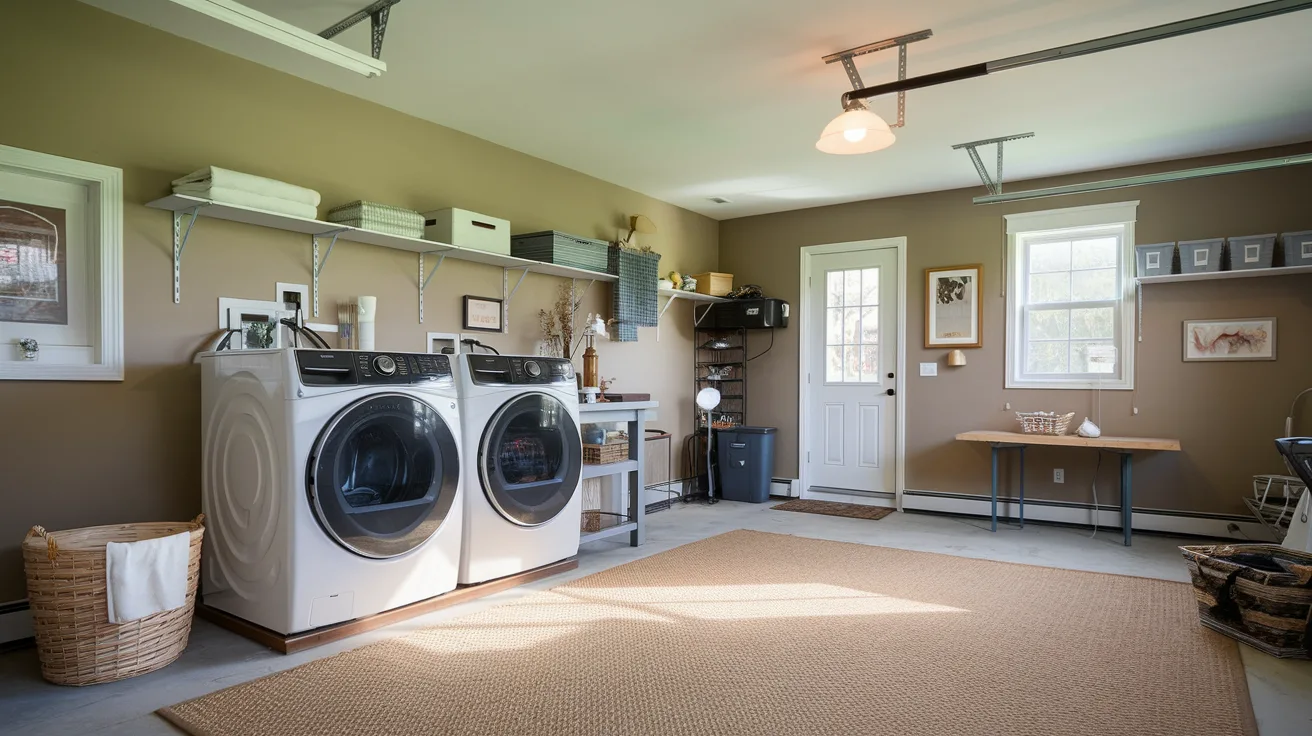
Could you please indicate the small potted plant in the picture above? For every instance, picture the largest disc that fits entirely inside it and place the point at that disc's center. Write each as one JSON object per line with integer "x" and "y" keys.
{"x": 29, "y": 348}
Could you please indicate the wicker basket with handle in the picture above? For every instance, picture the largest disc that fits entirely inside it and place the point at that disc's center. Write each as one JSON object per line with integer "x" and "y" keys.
{"x": 66, "y": 588}
{"x": 1044, "y": 422}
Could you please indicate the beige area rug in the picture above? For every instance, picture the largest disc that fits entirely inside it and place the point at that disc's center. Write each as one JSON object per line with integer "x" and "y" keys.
{"x": 754, "y": 633}
{"x": 835, "y": 508}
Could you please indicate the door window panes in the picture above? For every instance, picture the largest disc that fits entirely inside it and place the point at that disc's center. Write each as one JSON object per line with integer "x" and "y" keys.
{"x": 852, "y": 326}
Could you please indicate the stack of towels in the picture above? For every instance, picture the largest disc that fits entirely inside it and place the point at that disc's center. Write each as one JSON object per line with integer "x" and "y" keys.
{"x": 248, "y": 190}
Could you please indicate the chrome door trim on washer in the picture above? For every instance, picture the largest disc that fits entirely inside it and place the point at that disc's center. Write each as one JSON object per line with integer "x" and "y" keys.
{"x": 572, "y": 462}
{"x": 438, "y": 488}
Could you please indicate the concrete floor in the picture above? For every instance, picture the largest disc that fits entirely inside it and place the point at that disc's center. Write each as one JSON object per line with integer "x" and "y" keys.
{"x": 1281, "y": 690}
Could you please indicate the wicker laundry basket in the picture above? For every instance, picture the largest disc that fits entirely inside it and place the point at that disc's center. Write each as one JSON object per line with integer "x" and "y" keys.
{"x": 66, "y": 589}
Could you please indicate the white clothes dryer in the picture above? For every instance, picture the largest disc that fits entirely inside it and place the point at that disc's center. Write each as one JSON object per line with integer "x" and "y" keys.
{"x": 332, "y": 483}
{"x": 523, "y": 462}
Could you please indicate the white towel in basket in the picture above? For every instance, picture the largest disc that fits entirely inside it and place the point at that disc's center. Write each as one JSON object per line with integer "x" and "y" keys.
{"x": 146, "y": 577}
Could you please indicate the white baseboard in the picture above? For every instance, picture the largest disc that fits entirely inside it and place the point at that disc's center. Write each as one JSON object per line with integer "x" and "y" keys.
{"x": 1203, "y": 525}
{"x": 15, "y": 624}
{"x": 787, "y": 487}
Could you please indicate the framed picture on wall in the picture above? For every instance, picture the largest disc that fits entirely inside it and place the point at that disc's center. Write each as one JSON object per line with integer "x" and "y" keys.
{"x": 1230, "y": 339}
{"x": 482, "y": 314}
{"x": 953, "y": 317}
{"x": 61, "y": 268}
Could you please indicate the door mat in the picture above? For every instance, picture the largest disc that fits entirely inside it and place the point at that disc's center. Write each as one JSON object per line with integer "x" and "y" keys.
{"x": 834, "y": 508}
{"x": 798, "y": 636}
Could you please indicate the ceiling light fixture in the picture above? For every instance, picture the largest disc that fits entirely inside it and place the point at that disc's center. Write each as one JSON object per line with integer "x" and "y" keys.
{"x": 857, "y": 129}
{"x": 238, "y": 15}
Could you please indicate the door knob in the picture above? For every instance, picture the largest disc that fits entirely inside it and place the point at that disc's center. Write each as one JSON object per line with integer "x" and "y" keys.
{"x": 890, "y": 392}
{"x": 890, "y": 375}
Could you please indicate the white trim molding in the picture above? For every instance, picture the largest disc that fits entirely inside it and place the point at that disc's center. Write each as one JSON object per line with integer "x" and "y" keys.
{"x": 1120, "y": 217}
{"x": 15, "y": 621}
{"x": 804, "y": 353}
{"x": 105, "y": 278}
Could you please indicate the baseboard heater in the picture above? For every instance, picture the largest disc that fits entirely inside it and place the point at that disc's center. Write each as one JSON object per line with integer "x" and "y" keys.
{"x": 15, "y": 624}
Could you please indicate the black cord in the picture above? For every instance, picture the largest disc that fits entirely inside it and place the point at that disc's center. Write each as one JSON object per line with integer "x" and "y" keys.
{"x": 763, "y": 352}
{"x": 476, "y": 343}
{"x": 306, "y": 332}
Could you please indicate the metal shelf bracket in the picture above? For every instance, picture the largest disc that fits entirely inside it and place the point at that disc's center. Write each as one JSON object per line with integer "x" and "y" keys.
{"x": 377, "y": 14}
{"x": 423, "y": 280}
{"x": 508, "y": 294}
{"x": 180, "y": 244}
{"x": 319, "y": 264}
{"x": 993, "y": 182}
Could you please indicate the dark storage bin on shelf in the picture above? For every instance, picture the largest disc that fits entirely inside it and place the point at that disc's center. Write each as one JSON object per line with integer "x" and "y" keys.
{"x": 1252, "y": 251}
{"x": 746, "y": 460}
{"x": 1200, "y": 256}
{"x": 749, "y": 314}
{"x": 1260, "y": 594}
{"x": 562, "y": 249}
{"x": 1297, "y": 248}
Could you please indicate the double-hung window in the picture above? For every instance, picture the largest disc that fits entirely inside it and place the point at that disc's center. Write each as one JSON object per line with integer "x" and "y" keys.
{"x": 1070, "y": 298}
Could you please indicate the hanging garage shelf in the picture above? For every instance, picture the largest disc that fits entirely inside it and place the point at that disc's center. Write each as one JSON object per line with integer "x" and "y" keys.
{"x": 189, "y": 209}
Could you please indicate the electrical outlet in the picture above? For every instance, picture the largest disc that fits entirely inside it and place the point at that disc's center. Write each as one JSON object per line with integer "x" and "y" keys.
{"x": 929, "y": 369}
{"x": 1058, "y": 475}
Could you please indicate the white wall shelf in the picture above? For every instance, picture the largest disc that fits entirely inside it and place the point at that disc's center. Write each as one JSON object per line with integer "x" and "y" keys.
{"x": 1215, "y": 275}
{"x": 195, "y": 207}
{"x": 672, "y": 294}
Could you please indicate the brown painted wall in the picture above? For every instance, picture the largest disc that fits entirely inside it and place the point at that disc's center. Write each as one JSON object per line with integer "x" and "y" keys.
{"x": 99, "y": 88}
{"x": 1225, "y": 413}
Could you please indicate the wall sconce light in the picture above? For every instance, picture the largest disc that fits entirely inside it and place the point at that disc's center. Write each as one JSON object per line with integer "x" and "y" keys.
{"x": 956, "y": 358}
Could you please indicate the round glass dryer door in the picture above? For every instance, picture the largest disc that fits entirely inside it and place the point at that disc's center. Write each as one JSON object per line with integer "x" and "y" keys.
{"x": 383, "y": 475}
{"x": 530, "y": 459}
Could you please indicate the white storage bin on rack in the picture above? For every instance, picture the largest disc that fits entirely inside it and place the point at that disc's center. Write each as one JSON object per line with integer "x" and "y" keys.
{"x": 468, "y": 230}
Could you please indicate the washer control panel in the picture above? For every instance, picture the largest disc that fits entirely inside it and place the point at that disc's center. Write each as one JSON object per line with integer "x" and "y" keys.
{"x": 515, "y": 370}
{"x": 356, "y": 367}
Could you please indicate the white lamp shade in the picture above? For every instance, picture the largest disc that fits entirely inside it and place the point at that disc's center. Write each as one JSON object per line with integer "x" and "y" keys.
{"x": 708, "y": 398}
{"x": 856, "y": 131}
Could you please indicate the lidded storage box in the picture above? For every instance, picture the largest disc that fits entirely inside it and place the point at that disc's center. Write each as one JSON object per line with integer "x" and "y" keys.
{"x": 562, "y": 249}
{"x": 746, "y": 461}
{"x": 714, "y": 284}
{"x": 1200, "y": 256}
{"x": 1155, "y": 260}
{"x": 468, "y": 230}
{"x": 1252, "y": 251}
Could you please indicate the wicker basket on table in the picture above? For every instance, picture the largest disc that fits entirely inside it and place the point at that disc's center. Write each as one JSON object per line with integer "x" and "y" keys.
{"x": 1044, "y": 422}
{"x": 614, "y": 452}
{"x": 66, "y": 588}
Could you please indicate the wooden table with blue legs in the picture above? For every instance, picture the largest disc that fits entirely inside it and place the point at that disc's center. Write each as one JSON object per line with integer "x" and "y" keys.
{"x": 1123, "y": 446}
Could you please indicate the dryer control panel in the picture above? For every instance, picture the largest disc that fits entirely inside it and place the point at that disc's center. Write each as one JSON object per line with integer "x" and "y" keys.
{"x": 357, "y": 367}
{"x": 514, "y": 370}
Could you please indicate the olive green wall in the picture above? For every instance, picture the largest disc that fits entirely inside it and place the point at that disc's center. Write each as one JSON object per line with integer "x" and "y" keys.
{"x": 1226, "y": 414}
{"x": 89, "y": 85}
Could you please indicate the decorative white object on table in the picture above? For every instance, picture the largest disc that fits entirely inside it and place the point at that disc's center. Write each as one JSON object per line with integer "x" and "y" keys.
{"x": 368, "y": 311}
{"x": 1088, "y": 429}
{"x": 146, "y": 577}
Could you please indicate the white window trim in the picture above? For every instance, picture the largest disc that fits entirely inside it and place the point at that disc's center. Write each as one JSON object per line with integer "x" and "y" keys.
{"x": 1119, "y": 213}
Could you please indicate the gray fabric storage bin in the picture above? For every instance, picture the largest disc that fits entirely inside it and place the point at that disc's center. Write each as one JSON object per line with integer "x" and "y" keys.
{"x": 562, "y": 249}
{"x": 1154, "y": 260}
{"x": 746, "y": 460}
{"x": 1297, "y": 248}
{"x": 1200, "y": 256}
{"x": 1252, "y": 251}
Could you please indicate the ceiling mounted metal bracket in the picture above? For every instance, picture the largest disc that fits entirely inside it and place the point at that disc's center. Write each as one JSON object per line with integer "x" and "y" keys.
{"x": 993, "y": 182}
{"x": 377, "y": 14}
{"x": 846, "y": 58}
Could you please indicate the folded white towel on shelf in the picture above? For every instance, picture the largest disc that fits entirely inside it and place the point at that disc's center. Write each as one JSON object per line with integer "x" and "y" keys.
{"x": 244, "y": 198}
{"x": 146, "y": 577}
{"x": 213, "y": 176}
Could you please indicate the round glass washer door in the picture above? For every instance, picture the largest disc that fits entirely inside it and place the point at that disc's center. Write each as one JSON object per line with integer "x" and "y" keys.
{"x": 383, "y": 475}
{"x": 530, "y": 459}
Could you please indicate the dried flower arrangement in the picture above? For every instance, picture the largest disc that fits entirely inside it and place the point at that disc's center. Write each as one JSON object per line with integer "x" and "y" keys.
{"x": 558, "y": 324}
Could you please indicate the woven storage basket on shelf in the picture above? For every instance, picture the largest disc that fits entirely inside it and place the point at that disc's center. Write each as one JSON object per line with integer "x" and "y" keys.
{"x": 1044, "y": 422}
{"x": 615, "y": 452}
{"x": 66, "y": 588}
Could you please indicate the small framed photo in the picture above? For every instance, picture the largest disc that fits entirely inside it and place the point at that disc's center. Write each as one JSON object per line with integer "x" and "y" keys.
{"x": 1230, "y": 339}
{"x": 953, "y": 318}
{"x": 482, "y": 314}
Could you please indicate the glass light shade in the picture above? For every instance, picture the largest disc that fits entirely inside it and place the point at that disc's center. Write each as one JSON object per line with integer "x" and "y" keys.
{"x": 856, "y": 131}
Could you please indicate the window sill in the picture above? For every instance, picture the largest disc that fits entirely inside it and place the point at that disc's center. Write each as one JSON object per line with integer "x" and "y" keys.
{"x": 1078, "y": 385}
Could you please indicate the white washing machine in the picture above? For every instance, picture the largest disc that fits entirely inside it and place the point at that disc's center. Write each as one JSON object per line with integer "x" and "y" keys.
{"x": 523, "y": 463}
{"x": 332, "y": 483}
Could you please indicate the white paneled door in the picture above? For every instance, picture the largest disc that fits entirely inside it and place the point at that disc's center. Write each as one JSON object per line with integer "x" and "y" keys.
{"x": 851, "y": 377}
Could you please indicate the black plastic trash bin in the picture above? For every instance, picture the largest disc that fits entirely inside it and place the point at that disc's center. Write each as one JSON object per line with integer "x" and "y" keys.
{"x": 746, "y": 458}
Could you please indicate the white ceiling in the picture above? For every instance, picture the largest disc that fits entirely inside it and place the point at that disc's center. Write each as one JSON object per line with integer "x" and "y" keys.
{"x": 685, "y": 100}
